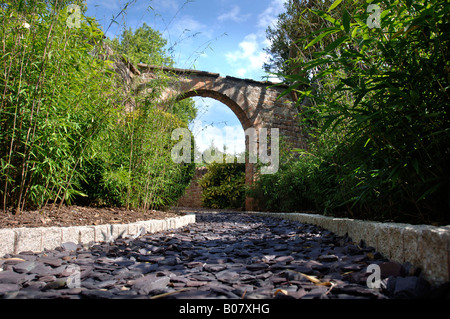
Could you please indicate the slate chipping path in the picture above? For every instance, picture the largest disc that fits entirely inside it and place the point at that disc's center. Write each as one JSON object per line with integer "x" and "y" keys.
{"x": 223, "y": 255}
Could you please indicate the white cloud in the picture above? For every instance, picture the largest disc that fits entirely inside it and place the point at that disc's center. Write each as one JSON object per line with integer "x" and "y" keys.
{"x": 249, "y": 57}
{"x": 231, "y": 136}
{"x": 270, "y": 15}
{"x": 241, "y": 72}
{"x": 234, "y": 15}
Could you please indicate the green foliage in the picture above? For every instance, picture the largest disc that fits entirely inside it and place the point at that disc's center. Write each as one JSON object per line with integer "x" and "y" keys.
{"x": 65, "y": 131}
{"x": 138, "y": 160}
{"x": 223, "y": 185}
{"x": 378, "y": 118}
{"x": 143, "y": 45}
{"x": 147, "y": 46}
{"x": 55, "y": 95}
{"x": 285, "y": 53}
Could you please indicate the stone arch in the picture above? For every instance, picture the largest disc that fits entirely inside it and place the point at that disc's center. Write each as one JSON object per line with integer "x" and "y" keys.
{"x": 237, "y": 110}
{"x": 256, "y": 104}
{"x": 245, "y": 123}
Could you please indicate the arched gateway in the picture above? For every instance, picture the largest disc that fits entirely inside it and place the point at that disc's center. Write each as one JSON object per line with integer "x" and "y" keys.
{"x": 255, "y": 103}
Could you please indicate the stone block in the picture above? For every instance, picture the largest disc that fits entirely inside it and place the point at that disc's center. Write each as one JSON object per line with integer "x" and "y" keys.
{"x": 371, "y": 230}
{"x": 78, "y": 234}
{"x": 390, "y": 241}
{"x": 27, "y": 239}
{"x": 7, "y": 238}
{"x": 170, "y": 223}
{"x": 51, "y": 237}
{"x": 119, "y": 230}
{"x": 102, "y": 233}
{"x": 157, "y": 225}
{"x": 433, "y": 248}
{"x": 133, "y": 229}
{"x": 341, "y": 226}
{"x": 69, "y": 234}
{"x": 147, "y": 225}
{"x": 86, "y": 234}
{"x": 355, "y": 230}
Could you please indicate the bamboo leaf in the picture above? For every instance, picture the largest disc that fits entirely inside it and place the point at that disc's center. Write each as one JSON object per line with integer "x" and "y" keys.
{"x": 320, "y": 37}
{"x": 334, "y": 5}
{"x": 336, "y": 43}
{"x": 346, "y": 21}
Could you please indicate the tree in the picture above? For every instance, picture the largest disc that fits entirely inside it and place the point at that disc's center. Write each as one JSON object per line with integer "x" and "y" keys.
{"x": 147, "y": 46}
{"x": 380, "y": 106}
{"x": 294, "y": 27}
{"x": 144, "y": 45}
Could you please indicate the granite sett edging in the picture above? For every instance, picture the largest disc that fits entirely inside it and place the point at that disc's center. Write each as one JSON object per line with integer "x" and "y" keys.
{"x": 15, "y": 240}
{"x": 424, "y": 246}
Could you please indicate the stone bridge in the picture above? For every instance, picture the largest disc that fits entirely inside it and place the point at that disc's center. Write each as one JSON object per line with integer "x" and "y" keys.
{"x": 256, "y": 104}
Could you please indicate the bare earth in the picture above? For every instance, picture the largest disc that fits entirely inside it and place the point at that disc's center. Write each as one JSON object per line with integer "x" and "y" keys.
{"x": 80, "y": 216}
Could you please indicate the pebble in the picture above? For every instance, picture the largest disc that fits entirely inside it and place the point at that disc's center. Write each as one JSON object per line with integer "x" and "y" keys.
{"x": 223, "y": 255}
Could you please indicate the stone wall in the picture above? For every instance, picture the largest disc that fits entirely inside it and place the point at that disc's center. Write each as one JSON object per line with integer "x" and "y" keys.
{"x": 16, "y": 240}
{"x": 424, "y": 246}
{"x": 258, "y": 105}
{"x": 193, "y": 195}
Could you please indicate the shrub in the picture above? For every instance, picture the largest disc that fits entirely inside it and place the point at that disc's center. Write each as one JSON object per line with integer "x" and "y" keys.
{"x": 224, "y": 185}
{"x": 380, "y": 96}
{"x": 65, "y": 133}
{"x": 55, "y": 96}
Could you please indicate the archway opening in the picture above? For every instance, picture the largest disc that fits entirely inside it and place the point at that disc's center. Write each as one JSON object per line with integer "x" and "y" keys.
{"x": 216, "y": 126}
{"x": 219, "y": 137}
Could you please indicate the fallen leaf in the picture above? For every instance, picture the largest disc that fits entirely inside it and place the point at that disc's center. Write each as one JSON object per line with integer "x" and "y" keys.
{"x": 284, "y": 292}
{"x": 325, "y": 283}
{"x": 169, "y": 293}
{"x": 313, "y": 279}
{"x": 12, "y": 259}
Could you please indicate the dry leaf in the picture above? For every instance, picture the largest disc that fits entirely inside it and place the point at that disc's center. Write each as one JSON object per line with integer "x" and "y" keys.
{"x": 325, "y": 283}
{"x": 311, "y": 278}
{"x": 12, "y": 259}
{"x": 316, "y": 281}
{"x": 284, "y": 292}
{"x": 169, "y": 293}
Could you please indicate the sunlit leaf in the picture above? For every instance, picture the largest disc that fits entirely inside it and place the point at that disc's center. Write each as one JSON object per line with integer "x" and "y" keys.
{"x": 334, "y": 5}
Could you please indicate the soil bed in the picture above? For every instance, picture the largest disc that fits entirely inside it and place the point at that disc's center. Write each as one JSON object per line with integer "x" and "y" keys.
{"x": 80, "y": 216}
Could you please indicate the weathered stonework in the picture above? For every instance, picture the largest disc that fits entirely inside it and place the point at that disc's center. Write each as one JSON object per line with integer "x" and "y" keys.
{"x": 256, "y": 104}
{"x": 424, "y": 246}
{"x": 16, "y": 240}
{"x": 193, "y": 195}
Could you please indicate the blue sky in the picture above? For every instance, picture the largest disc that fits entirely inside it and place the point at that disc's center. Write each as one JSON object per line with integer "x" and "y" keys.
{"x": 222, "y": 36}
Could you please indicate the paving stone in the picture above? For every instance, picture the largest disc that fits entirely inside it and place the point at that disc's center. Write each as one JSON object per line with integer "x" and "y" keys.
{"x": 150, "y": 284}
{"x": 214, "y": 267}
{"x": 69, "y": 246}
{"x": 223, "y": 255}
{"x": 8, "y": 287}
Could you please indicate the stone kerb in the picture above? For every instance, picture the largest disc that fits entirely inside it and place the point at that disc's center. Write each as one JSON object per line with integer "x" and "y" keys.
{"x": 424, "y": 246}
{"x": 15, "y": 240}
